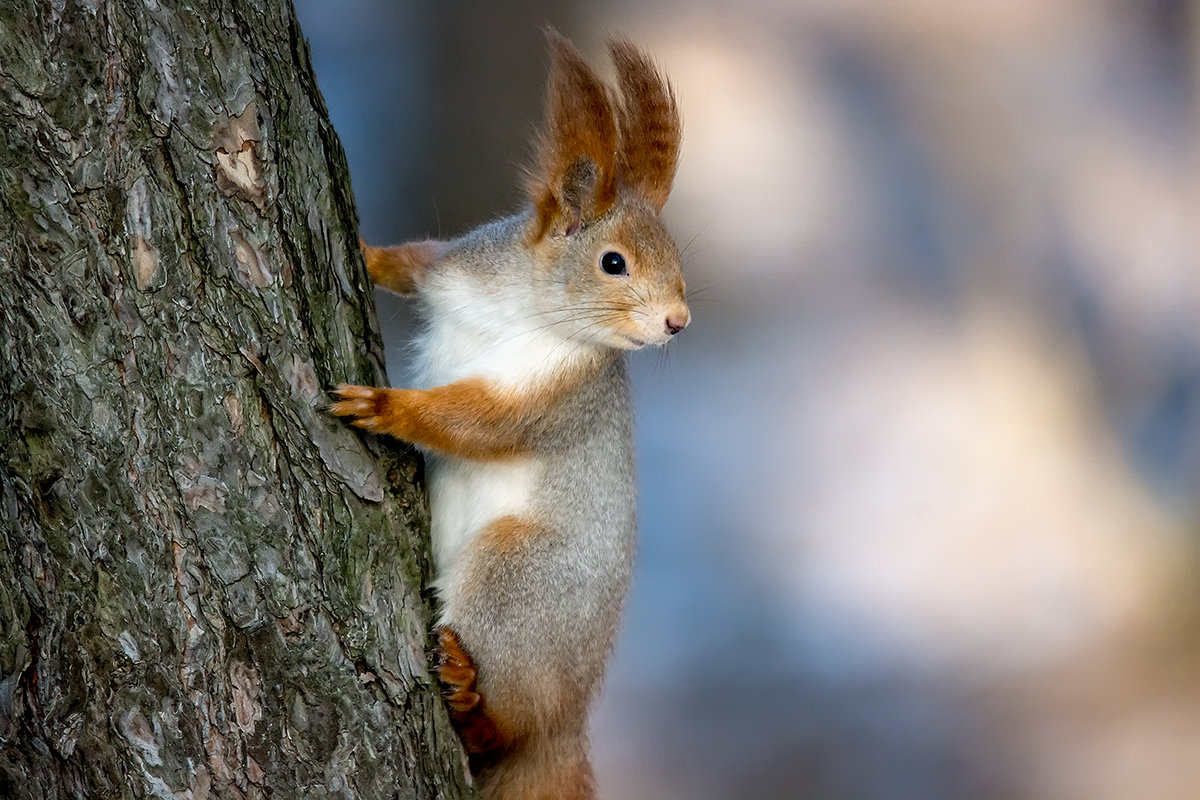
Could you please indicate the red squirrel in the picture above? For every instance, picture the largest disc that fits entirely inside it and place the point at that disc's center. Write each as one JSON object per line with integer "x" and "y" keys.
{"x": 527, "y": 421}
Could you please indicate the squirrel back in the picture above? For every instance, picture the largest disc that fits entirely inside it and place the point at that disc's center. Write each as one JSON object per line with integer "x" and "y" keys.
{"x": 525, "y": 416}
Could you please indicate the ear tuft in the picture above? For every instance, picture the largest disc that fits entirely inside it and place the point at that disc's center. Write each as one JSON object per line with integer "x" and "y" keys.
{"x": 650, "y": 128}
{"x": 574, "y": 178}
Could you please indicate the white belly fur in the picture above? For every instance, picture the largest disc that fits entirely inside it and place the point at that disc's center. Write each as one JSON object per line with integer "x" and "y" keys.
{"x": 464, "y": 497}
{"x": 478, "y": 334}
{"x": 488, "y": 334}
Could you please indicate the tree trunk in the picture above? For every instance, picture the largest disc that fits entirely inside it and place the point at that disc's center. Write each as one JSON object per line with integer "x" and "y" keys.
{"x": 208, "y": 587}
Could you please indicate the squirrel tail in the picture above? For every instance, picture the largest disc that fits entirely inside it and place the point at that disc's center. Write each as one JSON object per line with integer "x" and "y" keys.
{"x": 544, "y": 767}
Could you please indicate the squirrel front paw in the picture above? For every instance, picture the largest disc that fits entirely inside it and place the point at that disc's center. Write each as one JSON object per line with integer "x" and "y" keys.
{"x": 456, "y": 670}
{"x": 367, "y": 407}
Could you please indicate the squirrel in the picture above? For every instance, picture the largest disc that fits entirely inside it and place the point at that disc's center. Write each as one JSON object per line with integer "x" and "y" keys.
{"x": 527, "y": 424}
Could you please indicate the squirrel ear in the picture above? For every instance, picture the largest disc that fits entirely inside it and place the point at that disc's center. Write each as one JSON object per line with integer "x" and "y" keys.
{"x": 650, "y": 125}
{"x": 574, "y": 178}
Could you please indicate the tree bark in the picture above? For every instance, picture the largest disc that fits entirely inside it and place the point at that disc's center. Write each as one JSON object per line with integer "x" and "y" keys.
{"x": 208, "y": 587}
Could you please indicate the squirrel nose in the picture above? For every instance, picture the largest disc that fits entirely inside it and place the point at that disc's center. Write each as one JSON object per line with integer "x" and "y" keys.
{"x": 676, "y": 321}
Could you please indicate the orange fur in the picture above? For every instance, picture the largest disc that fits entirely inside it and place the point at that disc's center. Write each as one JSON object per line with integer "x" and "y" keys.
{"x": 538, "y": 620}
{"x": 401, "y": 268}
{"x": 589, "y": 146}
{"x": 458, "y": 674}
{"x": 508, "y": 534}
{"x": 524, "y": 733}
{"x": 649, "y": 123}
{"x": 575, "y": 175}
{"x": 549, "y": 769}
{"x": 471, "y": 418}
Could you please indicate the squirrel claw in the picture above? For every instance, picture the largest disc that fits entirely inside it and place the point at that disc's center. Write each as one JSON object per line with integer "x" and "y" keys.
{"x": 365, "y": 405}
{"x": 457, "y": 673}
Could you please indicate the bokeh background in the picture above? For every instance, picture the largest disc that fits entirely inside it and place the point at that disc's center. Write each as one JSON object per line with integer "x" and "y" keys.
{"x": 920, "y": 484}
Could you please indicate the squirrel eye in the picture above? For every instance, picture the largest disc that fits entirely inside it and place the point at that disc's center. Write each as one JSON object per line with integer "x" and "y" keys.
{"x": 613, "y": 263}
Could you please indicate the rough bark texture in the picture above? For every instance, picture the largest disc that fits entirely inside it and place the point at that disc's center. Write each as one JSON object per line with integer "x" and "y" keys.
{"x": 208, "y": 588}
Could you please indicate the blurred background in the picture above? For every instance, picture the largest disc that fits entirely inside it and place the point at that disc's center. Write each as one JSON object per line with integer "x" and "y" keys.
{"x": 921, "y": 483}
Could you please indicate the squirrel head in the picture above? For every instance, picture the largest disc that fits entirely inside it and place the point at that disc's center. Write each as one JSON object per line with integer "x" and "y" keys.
{"x": 603, "y": 170}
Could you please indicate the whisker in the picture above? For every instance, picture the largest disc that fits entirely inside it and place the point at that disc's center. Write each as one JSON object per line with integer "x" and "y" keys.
{"x": 685, "y": 260}
{"x": 642, "y": 299}
{"x": 600, "y": 314}
{"x": 573, "y": 337}
{"x": 695, "y": 295}
{"x": 691, "y": 241}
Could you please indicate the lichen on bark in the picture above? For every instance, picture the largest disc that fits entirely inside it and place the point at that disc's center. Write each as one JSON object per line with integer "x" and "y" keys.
{"x": 208, "y": 588}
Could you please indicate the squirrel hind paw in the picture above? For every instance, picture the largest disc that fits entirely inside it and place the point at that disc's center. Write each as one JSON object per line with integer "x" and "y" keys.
{"x": 456, "y": 670}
